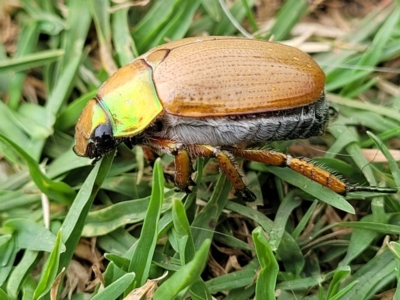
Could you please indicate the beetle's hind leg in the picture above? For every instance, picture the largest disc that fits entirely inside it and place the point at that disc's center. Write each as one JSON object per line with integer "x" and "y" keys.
{"x": 299, "y": 165}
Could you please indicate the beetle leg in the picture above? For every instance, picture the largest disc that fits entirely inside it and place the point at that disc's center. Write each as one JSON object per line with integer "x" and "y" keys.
{"x": 299, "y": 165}
{"x": 227, "y": 166}
{"x": 183, "y": 170}
{"x": 151, "y": 157}
{"x": 183, "y": 165}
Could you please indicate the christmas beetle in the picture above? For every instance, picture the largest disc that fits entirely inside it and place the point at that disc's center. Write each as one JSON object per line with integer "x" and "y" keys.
{"x": 211, "y": 97}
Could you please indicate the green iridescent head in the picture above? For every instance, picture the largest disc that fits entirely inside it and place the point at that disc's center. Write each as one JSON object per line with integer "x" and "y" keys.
{"x": 125, "y": 106}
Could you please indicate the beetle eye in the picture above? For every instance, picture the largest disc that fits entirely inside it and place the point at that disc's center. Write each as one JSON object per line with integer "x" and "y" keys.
{"x": 102, "y": 130}
{"x": 333, "y": 113}
{"x": 103, "y": 138}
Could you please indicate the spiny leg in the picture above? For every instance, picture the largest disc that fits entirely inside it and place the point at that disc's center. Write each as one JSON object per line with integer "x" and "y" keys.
{"x": 306, "y": 168}
{"x": 183, "y": 165}
{"x": 149, "y": 155}
{"x": 227, "y": 166}
{"x": 299, "y": 165}
{"x": 183, "y": 170}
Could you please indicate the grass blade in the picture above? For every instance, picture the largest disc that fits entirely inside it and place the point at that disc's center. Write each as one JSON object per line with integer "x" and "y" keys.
{"x": 267, "y": 277}
{"x": 142, "y": 257}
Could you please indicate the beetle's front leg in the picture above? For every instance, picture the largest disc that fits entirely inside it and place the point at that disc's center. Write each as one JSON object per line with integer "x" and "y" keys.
{"x": 150, "y": 156}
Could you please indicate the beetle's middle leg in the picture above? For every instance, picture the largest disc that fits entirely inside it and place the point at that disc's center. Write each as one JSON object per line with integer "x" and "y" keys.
{"x": 183, "y": 170}
{"x": 183, "y": 166}
{"x": 299, "y": 165}
{"x": 226, "y": 165}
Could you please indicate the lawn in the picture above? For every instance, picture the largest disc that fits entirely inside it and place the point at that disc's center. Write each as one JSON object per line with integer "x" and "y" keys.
{"x": 119, "y": 229}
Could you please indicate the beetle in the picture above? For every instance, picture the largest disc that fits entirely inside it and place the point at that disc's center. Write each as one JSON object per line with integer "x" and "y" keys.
{"x": 212, "y": 97}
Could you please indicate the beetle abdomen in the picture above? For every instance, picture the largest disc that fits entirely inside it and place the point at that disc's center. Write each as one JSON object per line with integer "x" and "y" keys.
{"x": 228, "y": 76}
{"x": 297, "y": 123}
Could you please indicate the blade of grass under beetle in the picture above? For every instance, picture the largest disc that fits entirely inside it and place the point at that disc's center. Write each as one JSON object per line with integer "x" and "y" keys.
{"x": 283, "y": 214}
{"x": 74, "y": 221}
{"x": 340, "y": 294}
{"x": 10, "y": 199}
{"x": 288, "y": 252}
{"x": 394, "y": 247}
{"x": 372, "y": 226}
{"x": 28, "y": 288}
{"x": 205, "y": 222}
{"x": 3, "y": 295}
{"x": 8, "y": 252}
{"x": 103, "y": 221}
{"x": 59, "y": 191}
{"x": 118, "y": 241}
{"x": 225, "y": 237}
{"x": 266, "y": 279}
{"x": 304, "y": 220}
{"x": 182, "y": 232}
{"x": 186, "y": 276}
{"x": 303, "y": 283}
{"x": 372, "y": 276}
{"x": 340, "y": 274}
{"x": 314, "y": 189}
{"x": 119, "y": 261}
{"x": 377, "y": 204}
{"x": 187, "y": 250}
{"x": 237, "y": 279}
{"x": 142, "y": 257}
{"x": 190, "y": 202}
{"x": 30, "y": 235}
{"x": 20, "y": 272}
{"x": 50, "y": 269}
{"x": 360, "y": 240}
{"x": 116, "y": 288}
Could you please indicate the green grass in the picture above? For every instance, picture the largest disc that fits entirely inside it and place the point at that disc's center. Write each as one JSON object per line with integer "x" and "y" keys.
{"x": 60, "y": 216}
